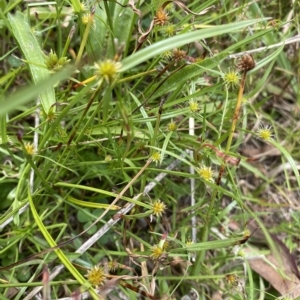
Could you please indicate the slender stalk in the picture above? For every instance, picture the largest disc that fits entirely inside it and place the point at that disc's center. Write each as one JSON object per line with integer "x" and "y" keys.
{"x": 66, "y": 151}
{"x": 84, "y": 38}
{"x": 236, "y": 112}
{"x": 209, "y": 215}
{"x": 110, "y": 23}
{"x": 67, "y": 44}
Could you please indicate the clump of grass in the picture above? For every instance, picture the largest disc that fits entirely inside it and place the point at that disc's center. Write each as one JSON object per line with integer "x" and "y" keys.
{"x": 150, "y": 113}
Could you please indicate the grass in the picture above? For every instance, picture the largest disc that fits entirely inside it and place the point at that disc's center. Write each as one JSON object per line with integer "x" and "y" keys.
{"x": 138, "y": 144}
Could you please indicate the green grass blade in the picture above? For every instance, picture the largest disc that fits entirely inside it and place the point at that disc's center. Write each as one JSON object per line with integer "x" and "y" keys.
{"x": 289, "y": 158}
{"x": 31, "y": 50}
{"x": 59, "y": 252}
{"x": 95, "y": 190}
{"x": 210, "y": 245}
{"x": 180, "y": 40}
{"x": 25, "y": 95}
{"x": 91, "y": 204}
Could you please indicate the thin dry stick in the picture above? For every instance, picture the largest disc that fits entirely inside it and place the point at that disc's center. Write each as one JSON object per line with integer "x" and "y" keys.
{"x": 57, "y": 270}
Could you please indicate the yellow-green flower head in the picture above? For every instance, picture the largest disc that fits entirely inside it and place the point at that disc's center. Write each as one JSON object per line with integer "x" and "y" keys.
{"x": 156, "y": 252}
{"x": 108, "y": 157}
{"x": 158, "y": 207}
{"x": 112, "y": 265}
{"x": 30, "y": 149}
{"x": 169, "y": 30}
{"x": 107, "y": 70}
{"x": 206, "y": 173}
{"x": 232, "y": 79}
{"x": 189, "y": 242}
{"x": 86, "y": 18}
{"x": 156, "y": 157}
{"x": 172, "y": 126}
{"x": 83, "y": 6}
{"x": 80, "y": 7}
{"x": 167, "y": 54}
{"x": 194, "y": 106}
{"x": 96, "y": 276}
{"x": 265, "y": 133}
{"x": 241, "y": 252}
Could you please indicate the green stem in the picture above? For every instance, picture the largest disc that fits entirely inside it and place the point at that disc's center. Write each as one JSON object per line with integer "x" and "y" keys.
{"x": 66, "y": 152}
{"x": 236, "y": 112}
{"x": 84, "y": 39}
{"x": 209, "y": 215}
{"x": 205, "y": 232}
{"x": 54, "y": 125}
{"x": 110, "y": 23}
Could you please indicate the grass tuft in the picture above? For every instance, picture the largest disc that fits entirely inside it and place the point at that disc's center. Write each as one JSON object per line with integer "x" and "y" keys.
{"x": 149, "y": 149}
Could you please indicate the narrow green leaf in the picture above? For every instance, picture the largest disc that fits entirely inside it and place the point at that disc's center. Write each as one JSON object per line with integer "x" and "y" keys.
{"x": 289, "y": 159}
{"x": 91, "y": 204}
{"x": 31, "y": 50}
{"x": 59, "y": 252}
{"x": 182, "y": 39}
{"x": 25, "y": 95}
{"x": 218, "y": 244}
{"x": 103, "y": 192}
